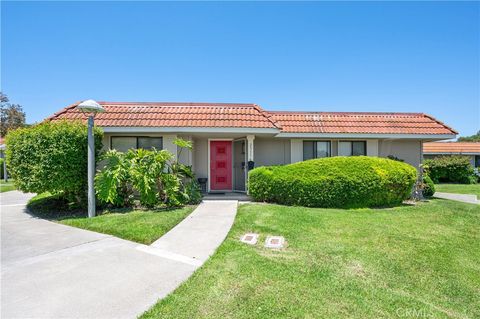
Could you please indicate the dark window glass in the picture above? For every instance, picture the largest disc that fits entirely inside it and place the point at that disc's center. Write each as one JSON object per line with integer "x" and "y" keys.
{"x": 123, "y": 143}
{"x": 148, "y": 143}
{"x": 322, "y": 150}
{"x": 477, "y": 160}
{"x": 316, "y": 149}
{"x": 359, "y": 148}
{"x": 308, "y": 150}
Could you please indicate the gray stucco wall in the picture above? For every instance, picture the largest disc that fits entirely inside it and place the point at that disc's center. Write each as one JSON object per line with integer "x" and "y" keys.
{"x": 408, "y": 150}
{"x": 200, "y": 157}
{"x": 271, "y": 151}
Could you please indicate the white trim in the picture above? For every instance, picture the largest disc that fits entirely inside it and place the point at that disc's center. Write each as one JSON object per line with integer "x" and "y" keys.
{"x": 243, "y": 130}
{"x": 209, "y": 180}
{"x": 363, "y": 136}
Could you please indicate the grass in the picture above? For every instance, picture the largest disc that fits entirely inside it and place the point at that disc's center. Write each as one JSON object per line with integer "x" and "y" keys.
{"x": 142, "y": 226}
{"x": 473, "y": 189}
{"x": 6, "y": 186}
{"x": 406, "y": 261}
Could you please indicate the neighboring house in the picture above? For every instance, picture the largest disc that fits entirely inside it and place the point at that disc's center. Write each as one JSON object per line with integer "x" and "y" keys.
{"x": 227, "y": 137}
{"x": 470, "y": 149}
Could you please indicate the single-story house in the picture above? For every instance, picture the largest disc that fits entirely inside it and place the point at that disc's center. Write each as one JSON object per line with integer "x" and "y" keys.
{"x": 470, "y": 149}
{"x": 230, "y": 137}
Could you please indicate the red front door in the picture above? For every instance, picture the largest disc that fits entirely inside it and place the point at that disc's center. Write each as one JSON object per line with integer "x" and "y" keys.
{"x": 220, "y": 165}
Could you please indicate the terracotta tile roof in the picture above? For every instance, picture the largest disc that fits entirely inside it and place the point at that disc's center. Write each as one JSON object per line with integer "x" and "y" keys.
{"x": 451, "y": 148}
{"x": 360, "y": 122}
{"x": 174, "y": 115}
{"x": 167, "y": 114}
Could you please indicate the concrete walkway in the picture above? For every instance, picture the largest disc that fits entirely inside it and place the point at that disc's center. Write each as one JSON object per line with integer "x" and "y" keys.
{"x": 55, "y": 271}
{"x": 465, "y": 198}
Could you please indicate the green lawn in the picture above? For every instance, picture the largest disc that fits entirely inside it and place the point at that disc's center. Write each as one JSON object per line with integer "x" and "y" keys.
{"x": 409, "y": 261}
{"x": 5, "y": 187}
{"x": 473, "y": 189}
{"x": 136, "y": 225}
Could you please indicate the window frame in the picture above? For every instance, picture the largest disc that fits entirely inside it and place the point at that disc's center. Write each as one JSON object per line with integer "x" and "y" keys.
{"x": 315, "y": 152}
{"x": 136, "y": 139}
{"x": 351, "y": 146}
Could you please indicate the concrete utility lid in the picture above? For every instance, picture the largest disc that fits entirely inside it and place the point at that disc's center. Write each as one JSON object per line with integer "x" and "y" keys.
{"x": 274, "y": 242}
{"x": 249, "y": 238}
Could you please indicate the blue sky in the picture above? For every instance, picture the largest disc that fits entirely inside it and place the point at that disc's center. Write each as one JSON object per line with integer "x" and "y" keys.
{"x": 311, "y": 56}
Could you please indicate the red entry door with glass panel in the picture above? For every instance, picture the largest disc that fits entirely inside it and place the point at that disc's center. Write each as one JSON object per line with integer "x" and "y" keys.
{"x": 220, "y": 165}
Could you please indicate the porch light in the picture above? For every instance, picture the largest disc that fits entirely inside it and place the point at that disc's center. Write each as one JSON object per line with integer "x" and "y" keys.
{"x": 91, "y": 108}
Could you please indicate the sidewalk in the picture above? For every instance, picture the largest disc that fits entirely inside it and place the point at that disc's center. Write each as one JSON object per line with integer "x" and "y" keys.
{"x": 51, "y": 270}
{"x": 465, "y": 198}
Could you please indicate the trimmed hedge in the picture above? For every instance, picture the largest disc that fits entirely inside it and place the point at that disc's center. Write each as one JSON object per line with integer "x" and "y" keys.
{"x": 51, "y": 157}
{"x": 450, "y": 169}
{"x": 428, "y": 186}
{"x": 347, "y": 182}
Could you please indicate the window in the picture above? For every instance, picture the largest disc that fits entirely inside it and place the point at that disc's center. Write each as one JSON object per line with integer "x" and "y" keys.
{"x": 148, "y": 143}
{"x": 316, "y": 149}
{"x": 477, "y": 160}
{"x": 352, "y": 148}
{"x": 124, "y": 143}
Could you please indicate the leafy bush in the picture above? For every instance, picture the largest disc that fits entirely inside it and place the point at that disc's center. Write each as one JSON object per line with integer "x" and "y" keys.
{"x": 113, "y": 183}
{"x": 51, "y": 157}
{"x": 428, "y": 187}
{"x": 154, "y": 175}
{"x": 334, "y": 182}
{"x": 450, "y": 169}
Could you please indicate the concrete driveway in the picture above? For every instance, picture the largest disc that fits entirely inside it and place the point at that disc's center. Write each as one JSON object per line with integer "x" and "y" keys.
{"x": 55, "y": 271}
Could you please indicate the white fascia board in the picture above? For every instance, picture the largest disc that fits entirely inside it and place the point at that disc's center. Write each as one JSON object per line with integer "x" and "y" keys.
{"x": 130, "y": 129}
{"x": 354, "y": 135}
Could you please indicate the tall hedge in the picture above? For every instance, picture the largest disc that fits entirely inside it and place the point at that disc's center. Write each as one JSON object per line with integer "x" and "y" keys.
{"x": 50, "y": 157}
{"x": 450, "y": 169}
{"x": 348, "y": 182}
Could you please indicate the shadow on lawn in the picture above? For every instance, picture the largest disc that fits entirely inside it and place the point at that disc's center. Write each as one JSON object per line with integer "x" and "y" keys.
{"x": 55, "y": 207}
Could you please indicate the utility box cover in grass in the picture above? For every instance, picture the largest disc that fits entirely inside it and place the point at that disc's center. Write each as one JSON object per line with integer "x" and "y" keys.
{"x": 275, "y": 242}
{"x": 249, "y": 238}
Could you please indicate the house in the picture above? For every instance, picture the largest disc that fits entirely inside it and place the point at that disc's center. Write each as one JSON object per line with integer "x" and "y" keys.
{"x": 470, "y": 149}
{"x": 228, "y": 138}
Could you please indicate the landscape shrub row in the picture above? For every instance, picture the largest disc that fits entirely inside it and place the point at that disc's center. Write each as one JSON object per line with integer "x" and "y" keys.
{"x": 347, "y": 182}
{"x": 51, "y": 157}
{"x": 450, "y": 169}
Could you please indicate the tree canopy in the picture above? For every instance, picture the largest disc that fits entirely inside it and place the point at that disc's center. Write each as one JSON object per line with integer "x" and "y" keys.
{"x": 471, "y": 138}
{"x": 12, "y": 115}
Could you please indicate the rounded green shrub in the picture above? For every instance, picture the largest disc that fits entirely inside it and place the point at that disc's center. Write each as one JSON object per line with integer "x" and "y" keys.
{"x": 51, "y": 157}
{"x": 451, "y": 169}
{"x": 347, "y": 182}
{"x": 428, "y": 186}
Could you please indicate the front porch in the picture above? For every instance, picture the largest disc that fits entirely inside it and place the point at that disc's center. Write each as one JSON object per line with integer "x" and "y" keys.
{"x": 241, "y": 197}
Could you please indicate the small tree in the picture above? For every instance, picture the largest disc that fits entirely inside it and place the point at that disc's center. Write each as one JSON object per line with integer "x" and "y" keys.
{"x": 51, "y": 157}
{"x": 12, "y": 116}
